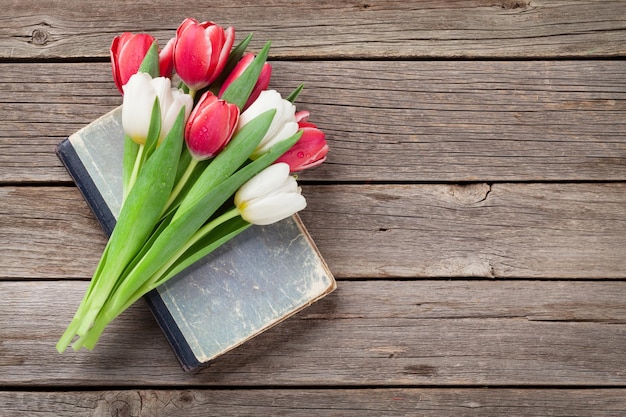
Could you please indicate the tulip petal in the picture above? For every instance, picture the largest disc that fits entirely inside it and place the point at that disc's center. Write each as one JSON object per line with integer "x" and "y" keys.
{"x": 270, "y": 196}
{"x": 199, "y": 50}
{"x": 166, "y": 59}
{"x": 309, "y": 152}
{"x": 268, "y": 180}
{"x": 139, "y": 98}
{"x": 210, "y": 126}
{"x": 286, "y": 131}
{"x": 127, "y": 53}
{"x": 273, "y": 208}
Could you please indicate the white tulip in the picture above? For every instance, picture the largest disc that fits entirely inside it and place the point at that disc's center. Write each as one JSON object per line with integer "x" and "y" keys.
{"x": 139, "y": 95}
{"x": 171, "y": 101}
{"x": 283, "y": 126}
{"x": 139, "y": 98}
{"x": 270, "y": 196}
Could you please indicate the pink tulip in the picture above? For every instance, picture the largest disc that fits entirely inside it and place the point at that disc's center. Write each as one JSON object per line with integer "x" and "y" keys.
{"x": 127, "y": 52}
{"x": 302, "y": 117}
{"x": 262, "y": 83}
{"x": 210, "y": 126}
{"x": 310, "y": 150}
{"x": 201, "y": 52}
{"x": 166, "y": 59}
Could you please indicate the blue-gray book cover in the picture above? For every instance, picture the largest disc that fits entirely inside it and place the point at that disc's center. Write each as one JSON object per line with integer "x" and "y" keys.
{"x": 251, "y": 283}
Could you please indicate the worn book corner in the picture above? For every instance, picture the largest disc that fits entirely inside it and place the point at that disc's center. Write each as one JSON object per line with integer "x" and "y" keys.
{"x": 251, "y": 283}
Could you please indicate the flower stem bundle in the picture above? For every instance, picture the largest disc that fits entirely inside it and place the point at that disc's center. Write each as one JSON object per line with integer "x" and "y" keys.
{"x": 199, "y": 168}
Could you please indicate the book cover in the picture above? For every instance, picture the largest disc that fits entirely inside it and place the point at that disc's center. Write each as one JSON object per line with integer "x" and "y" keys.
{"x": 256, "y": 280}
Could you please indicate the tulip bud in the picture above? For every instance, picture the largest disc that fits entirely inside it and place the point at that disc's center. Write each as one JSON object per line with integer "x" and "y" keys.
{"x": 210, "y": 126}
{"x": 270, "y": 196}
{"x": 310, "y": 150}
{"x": 201, "y": 52}
{"x": 166, "y": 59}
{"x": 283, "y": 125}
{"x": 171, "y": 101}
{"x": 137, "y": 105}
{"x": 127, "y": 52}
{"x": 261, "y": 84}
{"x": 139, "y": 95}
{"x": 302, "y": 117}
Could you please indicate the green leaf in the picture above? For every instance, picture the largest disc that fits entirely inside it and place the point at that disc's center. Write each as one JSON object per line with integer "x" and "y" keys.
{"x": 182, "y": 228}
{"x": 240, "y": 89}
{"x": 143, "y": 152}
{"x": 153, "y": 132}
{"x": 206, "y": 245}
{"x": 197, "y": 172}
{"x": 141, "y": 212}
{"x": 183, "y": 162}
{"x": 139, "y": 215}
{"x": 70, "y": 332}
{"x": 130, "y": 155}
{"x": 243, "y": 143}
{"x": 233, "y": 59}
{"x": 295, "y": 93}
{"x": 155, "y": 234}
{"x": 236, "y": 54}
{"x": 150, "y": 63}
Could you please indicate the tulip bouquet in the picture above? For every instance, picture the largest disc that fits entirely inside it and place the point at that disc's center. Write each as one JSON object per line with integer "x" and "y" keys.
{"x": 203, "y": 161}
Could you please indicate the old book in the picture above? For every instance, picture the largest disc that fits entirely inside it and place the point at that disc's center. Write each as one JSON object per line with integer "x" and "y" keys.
{"x": 251, "y": 283}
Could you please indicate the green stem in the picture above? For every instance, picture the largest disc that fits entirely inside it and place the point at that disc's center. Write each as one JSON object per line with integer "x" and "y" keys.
{"x": 148, "y": 285}
{"x": 135, "y": 173}
{"x": 70, "y": 332}
{"x": 108, "y": 314}
{"x": 181, "y": 184}
{"x": 189, "y": 226}
{"x": 203, "y": 231}
{"x": 99, "y": 296}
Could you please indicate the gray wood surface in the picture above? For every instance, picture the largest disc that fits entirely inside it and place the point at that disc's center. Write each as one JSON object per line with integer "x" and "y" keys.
{"x": 473, "y": 206}
{"x": 323, "y": 402}
{"x": 371, "y": 333}
{"x": 428, "y": 28}
{"x": 408, "y": 121}
{"x": 502, "y": 230}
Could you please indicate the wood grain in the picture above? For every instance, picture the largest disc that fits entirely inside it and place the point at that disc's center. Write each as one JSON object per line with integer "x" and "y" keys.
{"x": 326, "y": 402}
{"x": 478, "y": 140}
{"x": 425, "y": 230}
{"x": 322, "y": 29}
{"x": 371, "y": 333}
{"x": 498, "y": 231}
{"x": 400, "y": 122}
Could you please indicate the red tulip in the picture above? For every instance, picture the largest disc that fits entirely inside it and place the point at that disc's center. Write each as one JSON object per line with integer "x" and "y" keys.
{"x": 310, "y": 150}
{"x": 210, "y": 126}
{"x": 201, "y": 52}
{"x": 166, "y": 59}
{"x": 262, "y": 83}
{"x": 127, "y": 52}
{"x": 302, "y": 117}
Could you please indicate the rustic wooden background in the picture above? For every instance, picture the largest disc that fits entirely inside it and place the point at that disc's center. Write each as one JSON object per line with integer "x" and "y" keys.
{"x": 473, "y": 210}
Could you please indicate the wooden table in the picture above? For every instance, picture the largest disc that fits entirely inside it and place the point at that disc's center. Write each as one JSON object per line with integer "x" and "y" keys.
{"x": 472, "y": 208}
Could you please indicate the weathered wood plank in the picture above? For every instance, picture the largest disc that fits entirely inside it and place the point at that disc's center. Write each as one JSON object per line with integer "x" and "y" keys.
{"x": 327, "y": 402}
{"x": 367, "y": 333}
{"x": 478, "y": 28}
{"x": 49, "y": 229}
{"x": 503, "y": 230}
{"x": 400, "y": 121}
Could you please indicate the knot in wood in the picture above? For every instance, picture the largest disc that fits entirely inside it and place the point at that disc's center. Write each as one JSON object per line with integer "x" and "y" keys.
{"x": 512, "y": 5}
{"x": 39, "y": 37}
